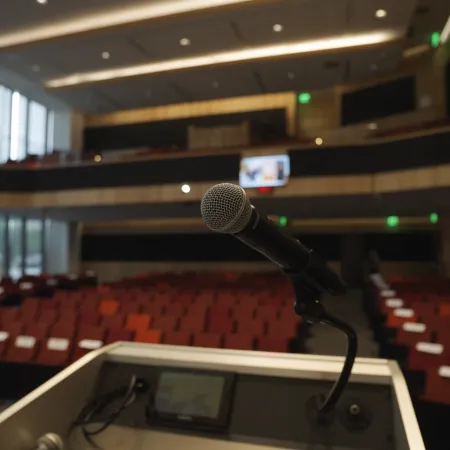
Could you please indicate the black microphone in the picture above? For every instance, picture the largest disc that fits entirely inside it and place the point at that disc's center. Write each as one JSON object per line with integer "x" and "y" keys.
{"x": 226, "y": 209}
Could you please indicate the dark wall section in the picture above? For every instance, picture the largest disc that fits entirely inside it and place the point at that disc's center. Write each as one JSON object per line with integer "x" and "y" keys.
{"x": 405, "y": 154}
{"x": 382, "y": 100}
{"x": 267, "y": 126}
{"x": 215, "y": 247}
{"x": 447, "y": 87}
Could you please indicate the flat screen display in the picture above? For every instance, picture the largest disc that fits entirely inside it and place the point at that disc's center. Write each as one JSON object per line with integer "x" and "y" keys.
{"x": 261, "y": 171}
{"x": 193, "y": 398}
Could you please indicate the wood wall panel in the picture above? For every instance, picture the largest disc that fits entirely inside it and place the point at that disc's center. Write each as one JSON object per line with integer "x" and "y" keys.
{"x": 286, "y": 100}
{"x": 389, "y": 182}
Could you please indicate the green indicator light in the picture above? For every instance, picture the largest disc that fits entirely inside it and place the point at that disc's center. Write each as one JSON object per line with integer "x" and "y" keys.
{"x": 304, "y": 98}
{"x": 392, "y": 221}
{"x": 283, "y": 221}
{"x": 434, "y": 217}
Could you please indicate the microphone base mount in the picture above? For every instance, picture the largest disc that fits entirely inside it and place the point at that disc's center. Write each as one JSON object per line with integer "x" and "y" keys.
{"x": 308, "y": 306}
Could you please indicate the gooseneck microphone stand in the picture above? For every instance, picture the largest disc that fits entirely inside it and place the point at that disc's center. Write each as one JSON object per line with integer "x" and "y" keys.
{"x": 307, "y": 305}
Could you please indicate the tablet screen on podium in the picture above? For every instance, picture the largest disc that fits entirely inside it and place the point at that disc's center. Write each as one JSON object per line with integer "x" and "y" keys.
{"x": 197, "y": 398}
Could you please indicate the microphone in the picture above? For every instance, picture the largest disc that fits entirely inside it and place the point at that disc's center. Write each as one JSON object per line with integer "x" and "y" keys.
{"x": 226, "y": 209}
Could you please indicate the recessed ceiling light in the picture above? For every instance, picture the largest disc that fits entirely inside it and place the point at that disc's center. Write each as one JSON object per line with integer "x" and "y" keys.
{"x": 278, "y": 28}
{"x": 106, "y": 55}
{"x": 215, "y": 84}
{"x": 291, "y": 75}
{"x": 185, "y": 189}
{"x": 35, "y": 68}
{"x": 373, "y": 66}
{"x": 380, "y": 13}
{"x": 319, "y": 141}
{"x": 97, "y": 158}
{"x": 42, "y": 2}
{"x": 372, "y": 126}
{"x": 185, "y": 42}
{"x": 227, "y": 57}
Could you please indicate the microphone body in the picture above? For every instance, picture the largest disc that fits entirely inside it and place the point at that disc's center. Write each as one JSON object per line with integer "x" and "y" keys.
{"x": 264, "y": 236}
{"x": 227, "y": 209}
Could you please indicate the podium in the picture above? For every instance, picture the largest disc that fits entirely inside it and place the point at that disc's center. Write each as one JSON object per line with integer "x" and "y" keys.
{"x": 215, "y": 399}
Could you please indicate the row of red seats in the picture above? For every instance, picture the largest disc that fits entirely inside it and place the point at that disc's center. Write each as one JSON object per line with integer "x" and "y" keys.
{"x": 421, "y": 322}
{"x": 60, "y": 345}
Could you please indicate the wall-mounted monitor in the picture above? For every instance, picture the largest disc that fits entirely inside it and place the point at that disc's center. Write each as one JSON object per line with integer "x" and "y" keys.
{"x": 259, "y": 171}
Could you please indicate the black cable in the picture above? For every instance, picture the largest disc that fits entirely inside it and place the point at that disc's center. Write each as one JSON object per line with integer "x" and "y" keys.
{"x": 352, "y": 349}
{"x": 90, "y": 413}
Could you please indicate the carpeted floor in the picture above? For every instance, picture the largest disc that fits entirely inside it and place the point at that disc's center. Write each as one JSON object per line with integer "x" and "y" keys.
{"x": 324, "y": 340}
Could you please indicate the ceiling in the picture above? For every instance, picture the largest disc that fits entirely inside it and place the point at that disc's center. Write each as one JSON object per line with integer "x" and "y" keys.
{"x": 213, "y": 30}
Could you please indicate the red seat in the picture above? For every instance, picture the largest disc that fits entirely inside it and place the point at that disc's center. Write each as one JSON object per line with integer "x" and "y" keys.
{"x": 288, "y": 317}
{"x": 14, "y": 328}
{"x": 177, "y": 338}
{"x": 268, "y": 313}
{"x": 193, "y": 323}
{"x": 255, "y": 327}
{"x": 89, "y": 318}
{"x": 437, "y": 387}
{"x": 226, "y": 301}
{"x": 115, "y": 335}
{"x": 148, "y": 336}
{"x": 130, "y": 308}
{"x": 281, "y": 329}
{"x": 165, "y": 323}
{"x": 138, "y": 322}
{"x": 411, "y": 333}
{"x": 54, "y": 352}
{"x": 272, "y": 344}
{"x": 210, "y": 340}
{"x": 221, "y": 325}
{"x": 63, "y": 330}
{"x": 239, "y": 341}
{"x": 10, "y": 314}
{"x": 48, "y": 316}
{"x": 243, "y": 312}
{"x": 116, "y": 322}
{"x": 425, "y": 355}
{"x": 23, "y": 349}
{"x": 39, "y": 330}
{"x": 88, "y": 338}
{"x": 444, "y": 310}
{"x": 108, "y": 307}
{"x": 155, "y": 309}
{"x": 397, "y": 317}
{"x": 175, "y": 310}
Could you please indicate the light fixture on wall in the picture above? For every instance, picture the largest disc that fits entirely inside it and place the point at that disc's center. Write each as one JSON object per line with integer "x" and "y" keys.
{"x": 185, "y": 189}
{"x": 319, "y": 141}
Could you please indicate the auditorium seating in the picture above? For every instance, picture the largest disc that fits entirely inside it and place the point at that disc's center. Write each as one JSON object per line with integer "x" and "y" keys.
{"x": 411, "y": 319}
{"x": 51, "y": 328}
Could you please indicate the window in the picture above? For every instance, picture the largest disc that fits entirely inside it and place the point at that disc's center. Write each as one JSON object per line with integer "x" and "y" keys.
{"x": 5, "y": 123}
{"x": 37, "y": 124}
{"x": 33, "y": 247}
{"x": 19, "y": 114}
{"x": 50, "y": 131}
{"x": 2, "y": 245}
{"x": 15, "y": 244}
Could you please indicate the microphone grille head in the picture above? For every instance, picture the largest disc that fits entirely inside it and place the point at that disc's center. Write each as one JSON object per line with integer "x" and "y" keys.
{"x": 226, "y": 208}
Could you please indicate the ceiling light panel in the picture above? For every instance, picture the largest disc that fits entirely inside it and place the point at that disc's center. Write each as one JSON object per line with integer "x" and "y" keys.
{"x": 299, "y": 20}
{"x": 228, "y": 57}
{"x": 110, "y": 17}
{"x": 234, "y": 81}
{"x": 308, "y": 71}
